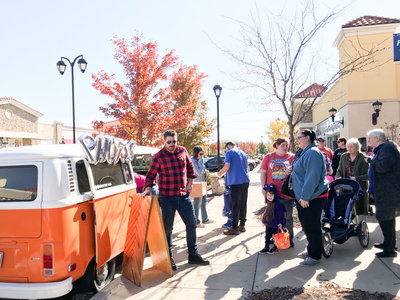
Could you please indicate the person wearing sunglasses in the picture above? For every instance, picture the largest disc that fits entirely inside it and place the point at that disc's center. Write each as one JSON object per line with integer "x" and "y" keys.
{"x": 175, "y": 173}
{"x": 311, "y": 190}
{"x": 200, "y": 172}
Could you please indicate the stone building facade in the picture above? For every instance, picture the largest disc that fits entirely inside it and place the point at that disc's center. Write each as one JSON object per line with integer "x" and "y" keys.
{"x": 352, "y": 95}
{"x": 18, "y": 124}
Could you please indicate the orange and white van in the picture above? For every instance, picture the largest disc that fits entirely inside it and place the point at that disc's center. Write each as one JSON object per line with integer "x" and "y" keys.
{"x": 64, "y": 212}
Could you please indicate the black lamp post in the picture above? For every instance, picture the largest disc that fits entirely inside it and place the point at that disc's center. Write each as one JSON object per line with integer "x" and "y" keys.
{"x": 61, "y": 68}
{"x": 217, "y": 91}
{"x": 377, "y": 105}
{"x": 332, "y": 113}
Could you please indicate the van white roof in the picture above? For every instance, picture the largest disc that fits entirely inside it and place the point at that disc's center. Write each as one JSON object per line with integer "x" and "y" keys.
{"x": 41, "y": 151}
{"x": 145, "y": 150}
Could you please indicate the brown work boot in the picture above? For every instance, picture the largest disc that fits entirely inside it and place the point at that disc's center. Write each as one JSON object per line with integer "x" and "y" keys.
{"x": 232, "y": 231}
{"x": 241, "y": 228}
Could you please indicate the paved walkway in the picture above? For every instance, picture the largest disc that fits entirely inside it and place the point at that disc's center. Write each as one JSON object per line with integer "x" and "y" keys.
{"x": 237, "y": 269}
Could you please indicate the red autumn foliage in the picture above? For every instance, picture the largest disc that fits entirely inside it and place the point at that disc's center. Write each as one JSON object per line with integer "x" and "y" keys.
{"x": 213, "y": 147}
{"x": 148, "y": 103}
{"x": 248, "y": 147}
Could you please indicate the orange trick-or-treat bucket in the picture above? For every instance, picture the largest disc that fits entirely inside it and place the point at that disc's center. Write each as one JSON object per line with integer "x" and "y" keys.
{"x": 281, "y": 239}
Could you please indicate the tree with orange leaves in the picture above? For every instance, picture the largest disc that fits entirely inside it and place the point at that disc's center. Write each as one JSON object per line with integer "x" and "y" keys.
{"x": 189, "y": 81}
{"x": 248, "y": 147}
{"x": 213, "y": 148}
{"x": 146, "y": 104}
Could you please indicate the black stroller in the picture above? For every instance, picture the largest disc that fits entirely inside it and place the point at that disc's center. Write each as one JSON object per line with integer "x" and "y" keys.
{"x": 339, "y": 219}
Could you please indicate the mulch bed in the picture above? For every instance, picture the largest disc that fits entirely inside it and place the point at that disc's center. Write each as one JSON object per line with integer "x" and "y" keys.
{"x": 326, "y": 291}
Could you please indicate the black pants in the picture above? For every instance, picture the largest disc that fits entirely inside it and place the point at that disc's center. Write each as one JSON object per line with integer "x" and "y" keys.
{"x": 269, "y": 231}
{"x": 310, "y": 219}
{"x": 238, "y": 202}
{"x": 388, "y": 228}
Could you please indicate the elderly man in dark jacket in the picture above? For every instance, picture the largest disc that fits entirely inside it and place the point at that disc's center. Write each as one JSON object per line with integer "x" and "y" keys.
{"x": 384, "y": 174}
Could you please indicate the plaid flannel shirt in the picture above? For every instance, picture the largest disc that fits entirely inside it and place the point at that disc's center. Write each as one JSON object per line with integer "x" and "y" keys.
{"x": 173, "y": 170}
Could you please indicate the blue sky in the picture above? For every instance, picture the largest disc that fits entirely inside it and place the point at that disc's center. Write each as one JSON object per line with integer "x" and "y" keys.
{"x": 35, "y": 34}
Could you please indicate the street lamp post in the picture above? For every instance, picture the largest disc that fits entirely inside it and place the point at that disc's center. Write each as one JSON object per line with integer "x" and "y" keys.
{"x": 61, "y": 68}
{"x": 217, "y": 91}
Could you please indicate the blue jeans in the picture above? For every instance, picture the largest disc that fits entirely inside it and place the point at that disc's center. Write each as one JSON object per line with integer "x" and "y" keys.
{"x": 200, "y": 203}
{"x": 184, "y": 206}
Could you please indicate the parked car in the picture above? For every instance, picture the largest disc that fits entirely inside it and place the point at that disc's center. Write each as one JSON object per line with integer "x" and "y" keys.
{"x": 211, "y": 163}
{"x": 257, "y": 160}
{"x": 251, "y": 162}
{"x": 142, "y": 159}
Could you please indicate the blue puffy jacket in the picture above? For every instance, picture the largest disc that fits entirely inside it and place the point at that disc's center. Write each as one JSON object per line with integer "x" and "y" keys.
{"x": 308, "y": 175}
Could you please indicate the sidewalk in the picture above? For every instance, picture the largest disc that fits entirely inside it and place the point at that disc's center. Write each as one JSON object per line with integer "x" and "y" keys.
{"x": 237, "y": 269}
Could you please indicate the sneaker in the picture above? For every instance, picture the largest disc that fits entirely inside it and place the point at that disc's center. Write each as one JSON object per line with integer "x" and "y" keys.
{"x": 303, "y": 255}
{"x": 273, "y": 250}
{"x": 241, "y": 228}
{"x": 208, "y": 222}
{"x": 264, "y": 250}
{"x": 196, "y": 259}
{"x": 232, "y": 231}
{"x": 200, "y": 225}
{"x": 309, "y": 262}
{"x": 227, "y": 225}
{"x": 386, "y": 254}
{"x": 173, "y": 264}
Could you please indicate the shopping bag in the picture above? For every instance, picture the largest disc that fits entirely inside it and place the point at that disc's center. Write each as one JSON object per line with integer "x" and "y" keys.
{"x": 281, "y": 239}
{"x": 199, "y": 189}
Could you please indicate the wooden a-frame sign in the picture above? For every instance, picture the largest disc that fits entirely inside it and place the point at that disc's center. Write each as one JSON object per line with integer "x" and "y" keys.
{"x": 145, "y": 226}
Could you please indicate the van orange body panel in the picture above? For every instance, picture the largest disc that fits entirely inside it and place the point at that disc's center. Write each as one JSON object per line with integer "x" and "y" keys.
{"x": 112, "y": 216}
{"x": 24, "y": 223}
{"x": 73, "y": 240}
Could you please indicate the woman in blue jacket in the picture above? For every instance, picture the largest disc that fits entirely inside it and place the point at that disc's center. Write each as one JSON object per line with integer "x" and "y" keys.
{"x": 310, "y": 188}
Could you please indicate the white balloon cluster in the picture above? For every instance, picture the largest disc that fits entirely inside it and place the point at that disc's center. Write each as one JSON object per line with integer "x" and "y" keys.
{"x": 106, "y": 149}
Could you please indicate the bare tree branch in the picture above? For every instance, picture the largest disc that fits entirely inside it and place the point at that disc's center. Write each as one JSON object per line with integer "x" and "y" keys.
{"x": 277, "y": 60}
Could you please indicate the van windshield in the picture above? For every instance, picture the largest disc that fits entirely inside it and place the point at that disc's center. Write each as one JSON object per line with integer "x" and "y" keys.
{"x": 106, "y": 175}
{"x": 18, "y": 183}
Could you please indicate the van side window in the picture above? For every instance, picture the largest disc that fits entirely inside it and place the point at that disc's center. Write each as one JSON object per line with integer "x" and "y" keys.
{"x": 127, "y": 172}
{"x": 83, "y": 180}
{"x": 18, "y": 183}
{"x": 106, "y": 175}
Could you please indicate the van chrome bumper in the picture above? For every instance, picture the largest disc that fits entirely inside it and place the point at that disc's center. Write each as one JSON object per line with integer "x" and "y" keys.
{"x": 41, "y": 290}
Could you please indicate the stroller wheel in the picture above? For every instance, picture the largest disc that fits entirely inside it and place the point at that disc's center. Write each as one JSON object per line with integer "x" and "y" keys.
{"x": 363, "y": 234}
{"x": 327, "y": 244}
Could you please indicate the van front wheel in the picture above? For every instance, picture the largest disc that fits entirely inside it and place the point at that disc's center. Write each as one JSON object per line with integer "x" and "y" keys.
{"x": 104, "y": 275}
{"x": 96, "y": 279}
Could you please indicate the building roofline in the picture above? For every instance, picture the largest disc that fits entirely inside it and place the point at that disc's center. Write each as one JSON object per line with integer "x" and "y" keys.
{"x": 10, "y": 100}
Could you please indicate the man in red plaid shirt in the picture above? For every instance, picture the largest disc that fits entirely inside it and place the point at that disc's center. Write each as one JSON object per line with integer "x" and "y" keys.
{"x": 175, "y": 170}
